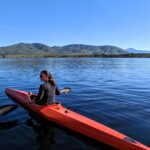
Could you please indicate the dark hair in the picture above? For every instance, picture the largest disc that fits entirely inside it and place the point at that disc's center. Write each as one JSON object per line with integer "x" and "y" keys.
{"x": 51, "y": 79}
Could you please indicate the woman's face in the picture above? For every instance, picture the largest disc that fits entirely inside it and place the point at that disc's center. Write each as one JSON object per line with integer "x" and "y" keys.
{"x": 43, "y": 77}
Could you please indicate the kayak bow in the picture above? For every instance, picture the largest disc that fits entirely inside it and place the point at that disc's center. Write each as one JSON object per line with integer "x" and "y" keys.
{"x": 76, "y": 122}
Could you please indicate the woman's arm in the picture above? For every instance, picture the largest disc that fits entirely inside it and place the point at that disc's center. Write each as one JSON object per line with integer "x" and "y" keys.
{"x": 40, "y": 95}
{"x": 57, "y": 92}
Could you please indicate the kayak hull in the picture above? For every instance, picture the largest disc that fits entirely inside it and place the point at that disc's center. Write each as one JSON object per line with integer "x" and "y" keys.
{"x": 76, "y": 122}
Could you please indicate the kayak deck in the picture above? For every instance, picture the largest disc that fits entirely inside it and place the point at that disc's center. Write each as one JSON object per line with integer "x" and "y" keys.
{"x": 79, "y": 123}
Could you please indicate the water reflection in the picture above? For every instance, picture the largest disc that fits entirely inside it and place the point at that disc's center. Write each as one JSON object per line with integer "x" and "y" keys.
{"x": 44, "y": 130}
{"x": 46, "y": 134}
{"x": 8, "y": 124}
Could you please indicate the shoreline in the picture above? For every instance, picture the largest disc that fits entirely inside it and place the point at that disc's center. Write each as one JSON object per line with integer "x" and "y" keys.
{"x": 131, "y": 55}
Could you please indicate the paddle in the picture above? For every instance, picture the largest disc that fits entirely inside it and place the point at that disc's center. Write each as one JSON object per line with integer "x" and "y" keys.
{"x": 7, "y": 108}
{"x": 65, "y": 90}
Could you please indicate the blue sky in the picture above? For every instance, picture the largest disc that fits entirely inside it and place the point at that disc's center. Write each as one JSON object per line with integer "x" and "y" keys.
{"x": 124, "y": 23}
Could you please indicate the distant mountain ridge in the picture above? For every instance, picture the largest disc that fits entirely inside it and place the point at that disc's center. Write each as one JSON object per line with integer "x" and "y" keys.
{"x": 132, "y": 50}
{"x": 38, "y": 48}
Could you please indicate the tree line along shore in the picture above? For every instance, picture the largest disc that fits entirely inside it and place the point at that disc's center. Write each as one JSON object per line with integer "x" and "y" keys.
{"x": 129, "y": 55}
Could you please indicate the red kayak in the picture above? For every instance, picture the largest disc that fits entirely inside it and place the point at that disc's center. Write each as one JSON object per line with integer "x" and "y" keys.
{"x": 76, "y": 122}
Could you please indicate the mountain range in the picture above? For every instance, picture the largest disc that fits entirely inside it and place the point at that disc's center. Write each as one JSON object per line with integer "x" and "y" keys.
{"x": 38, "y": 48}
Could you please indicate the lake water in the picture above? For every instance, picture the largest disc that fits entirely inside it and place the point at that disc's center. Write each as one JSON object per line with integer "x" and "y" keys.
{"x": 113, "y": 91}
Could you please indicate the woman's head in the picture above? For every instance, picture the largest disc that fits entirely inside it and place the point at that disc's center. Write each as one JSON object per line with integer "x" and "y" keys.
{"x": 47, "y": 77}
{"x": 44, "y": 75}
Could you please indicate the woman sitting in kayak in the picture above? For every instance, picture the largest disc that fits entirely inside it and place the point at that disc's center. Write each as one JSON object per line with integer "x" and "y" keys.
{"x": 47, "y": 90}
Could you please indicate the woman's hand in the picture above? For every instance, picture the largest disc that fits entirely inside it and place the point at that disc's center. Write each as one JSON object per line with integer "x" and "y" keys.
{"x": 32, "y": 97}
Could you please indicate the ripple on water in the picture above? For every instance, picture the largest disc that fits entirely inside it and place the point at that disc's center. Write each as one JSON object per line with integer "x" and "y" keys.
{"x": 113, "y": 91}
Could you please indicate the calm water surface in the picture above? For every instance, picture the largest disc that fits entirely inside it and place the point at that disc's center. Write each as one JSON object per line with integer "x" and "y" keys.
{"x": 113, "y": 91}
